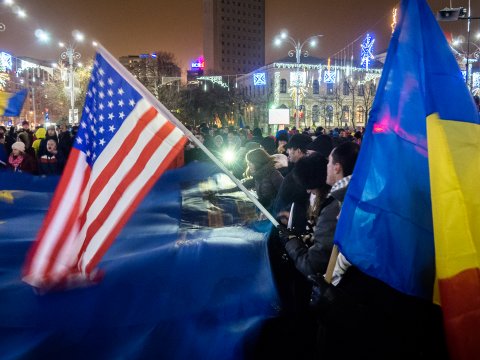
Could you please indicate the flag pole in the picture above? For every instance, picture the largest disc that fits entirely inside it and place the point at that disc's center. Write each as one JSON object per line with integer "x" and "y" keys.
{"x": 162, "y": 109}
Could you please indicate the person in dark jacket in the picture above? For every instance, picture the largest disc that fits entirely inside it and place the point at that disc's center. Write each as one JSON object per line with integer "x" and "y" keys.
{"x": 292, "y": 193}
{"x": 261, "y": 174}
{"x": 52, "y": 161}
{"x": 337, "y": 173}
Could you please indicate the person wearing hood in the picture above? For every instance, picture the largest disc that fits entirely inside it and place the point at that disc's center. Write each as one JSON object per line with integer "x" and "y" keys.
{"x": 39, "y": 135}
{"x": 50, "y": 135}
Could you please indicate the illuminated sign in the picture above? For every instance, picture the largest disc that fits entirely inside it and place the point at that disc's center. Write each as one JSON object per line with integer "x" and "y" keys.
{"x": 5, "y": 61}
{"x": 329, "y": 77}
{"x": 198, "y": 64}
{"x": 300, "y": 81}
{"x": 259, "y": 79}
{"x": 367, "y": 51}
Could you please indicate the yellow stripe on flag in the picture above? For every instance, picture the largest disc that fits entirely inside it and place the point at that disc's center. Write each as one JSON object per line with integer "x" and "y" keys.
{"x": 454, "y": 163}
{"x": 4, "y": 97}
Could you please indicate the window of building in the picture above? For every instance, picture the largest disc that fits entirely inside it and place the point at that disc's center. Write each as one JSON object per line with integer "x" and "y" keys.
{"x": 329, "y": 113}
{"x": 360, "y": 115}
{"x": 346, "y": 89}
{"x": 361, "y": 90}
{"x": 283, "y": 86}
{"x": 316, "y": 87}
{"x": 330, "y": 89}
{"x": 345, "y": 113}
{"x": 315, "y": 113}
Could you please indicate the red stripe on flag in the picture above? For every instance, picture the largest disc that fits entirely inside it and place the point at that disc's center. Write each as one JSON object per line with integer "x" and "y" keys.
{"x": 141, "y": 194}
{"x": 460, "y": 298}
{"x": 57, "y": 198}
{"x": 71, "y": 219}
{"x": 117, "y": 159}
{"x": 129, "y": 177}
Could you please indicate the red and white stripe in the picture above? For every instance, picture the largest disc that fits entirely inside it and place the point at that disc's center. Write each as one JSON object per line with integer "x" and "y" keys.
{"x": 90, "y": 206}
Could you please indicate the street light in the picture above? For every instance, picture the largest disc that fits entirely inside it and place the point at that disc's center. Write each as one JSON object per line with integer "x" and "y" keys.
{"x": 297, "y": 52}
{"x": 454, "y": 14}
{"x": 70, "y": 55}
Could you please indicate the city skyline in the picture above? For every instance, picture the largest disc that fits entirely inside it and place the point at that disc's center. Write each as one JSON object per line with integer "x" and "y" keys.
{"x": 178, "y": 27}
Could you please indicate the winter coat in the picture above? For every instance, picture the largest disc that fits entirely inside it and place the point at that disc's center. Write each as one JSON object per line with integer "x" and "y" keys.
{"x": 267, "y": 181}
{"x": 313, "y": 260}
{"x": 292, "y": 192}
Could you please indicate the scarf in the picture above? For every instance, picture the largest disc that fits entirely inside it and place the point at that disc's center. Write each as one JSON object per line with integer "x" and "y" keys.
{"x": 15, "y": 161}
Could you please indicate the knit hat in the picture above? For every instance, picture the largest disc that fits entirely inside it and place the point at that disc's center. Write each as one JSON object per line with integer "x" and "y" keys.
{"x": 20, "y": 146}
{"x": 299, "y": 141}
{"x": 322, "y": 145}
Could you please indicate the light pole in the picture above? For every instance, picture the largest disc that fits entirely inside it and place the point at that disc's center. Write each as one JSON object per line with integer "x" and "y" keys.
{"x": 70, "y": 55}
{"x": 454, "y": 14}
{"x": 297, "y": 51}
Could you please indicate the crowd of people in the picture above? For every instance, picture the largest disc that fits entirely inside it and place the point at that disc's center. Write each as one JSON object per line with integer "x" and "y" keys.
{"x": 301, "y": 178}
{"x": 329, "y": 308}
{"x": 42, "y": 151}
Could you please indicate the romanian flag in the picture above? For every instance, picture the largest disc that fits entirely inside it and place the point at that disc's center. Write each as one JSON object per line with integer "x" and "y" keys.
{"x": 12, "y": 104}
{"x": 411, "y": 217}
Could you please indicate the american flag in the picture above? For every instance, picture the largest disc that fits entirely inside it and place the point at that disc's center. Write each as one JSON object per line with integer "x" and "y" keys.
{"x": 123, "y": 145}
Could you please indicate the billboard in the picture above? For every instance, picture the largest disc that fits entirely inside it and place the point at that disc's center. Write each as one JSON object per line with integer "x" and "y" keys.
{"x": 279, "y": 116}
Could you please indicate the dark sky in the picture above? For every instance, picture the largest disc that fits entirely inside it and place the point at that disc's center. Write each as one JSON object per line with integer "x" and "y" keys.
{"x": 131, "y": 27}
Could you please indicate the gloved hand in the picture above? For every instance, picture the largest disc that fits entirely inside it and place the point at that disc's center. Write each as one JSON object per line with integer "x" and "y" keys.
{"x": 284, "y": 234}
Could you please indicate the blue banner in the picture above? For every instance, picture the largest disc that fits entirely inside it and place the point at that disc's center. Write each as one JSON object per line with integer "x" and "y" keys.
{"x": 174, "y": 286}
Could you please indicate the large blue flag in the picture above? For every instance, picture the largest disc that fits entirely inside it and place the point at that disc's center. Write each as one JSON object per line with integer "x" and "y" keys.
{"x": 11, "y": 104}
{"x": 186, "y": 279}
{"x": 385, "y": 228}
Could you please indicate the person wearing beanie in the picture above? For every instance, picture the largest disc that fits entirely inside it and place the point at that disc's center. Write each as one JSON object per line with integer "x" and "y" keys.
{"x": 19, "y": 160}
{"x": 322, "y": 145}
{"x": 39, "y": 135}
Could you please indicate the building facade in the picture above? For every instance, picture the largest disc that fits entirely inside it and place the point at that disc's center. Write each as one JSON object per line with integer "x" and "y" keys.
{"x": 234, "y": 36}
{"x": 18, "y": 73}
{"x": 336, "y": 95}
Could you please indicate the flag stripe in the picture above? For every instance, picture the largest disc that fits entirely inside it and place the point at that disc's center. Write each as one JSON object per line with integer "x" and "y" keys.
{"x": 92, "y": 259}
{"x": 122, "y": 180}
{"x": 62, "y": 264}
{"x": 72, "y": 187}
{"x": 112, "y": 180}
{"x": 107, "y": 169}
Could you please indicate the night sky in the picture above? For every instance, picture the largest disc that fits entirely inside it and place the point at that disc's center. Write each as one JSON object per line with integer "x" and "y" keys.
{"x": 132, "y": 27}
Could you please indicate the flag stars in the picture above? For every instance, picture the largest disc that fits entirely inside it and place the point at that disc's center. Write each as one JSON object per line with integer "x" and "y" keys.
{"x": 110, "y": 92}
{"x": 110, "y": 104}
{"x": 120, "y": 103}
{"x": 84, "y": 125}
{"x": 101, "y": 71}
{"x": 101, "y": 83}
{"x": 111, "y": 128}
{"x": 121, "y": 115}
{"x": 88, "y": 153}
{"x": 101, "y": 117}
{"x": 101, "y": 106}
{"x": 101, "y": 94}
{"x": 131, "y": 102}
{"x": 110, "y": 81}
{"x": 102, "y": 142}
{"x": 79, "y": 140}
{"x": 120, "y": 91}
{"x": 101, "y": 130}
{"x": 110, "y": 116}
